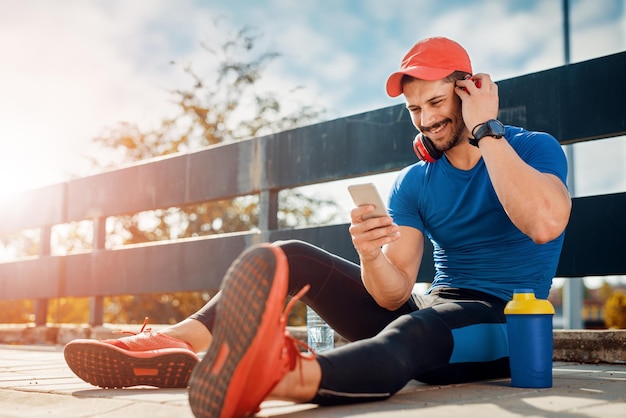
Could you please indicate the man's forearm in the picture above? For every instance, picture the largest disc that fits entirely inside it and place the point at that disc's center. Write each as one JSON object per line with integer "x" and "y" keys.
{"x": 385, "y": 283}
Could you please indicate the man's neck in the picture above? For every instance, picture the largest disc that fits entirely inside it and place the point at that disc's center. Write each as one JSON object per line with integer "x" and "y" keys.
{"x": 463, "y": 155}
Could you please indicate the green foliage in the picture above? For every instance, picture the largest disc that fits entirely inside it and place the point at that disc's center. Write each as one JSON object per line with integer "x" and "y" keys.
{"x": 222, "y": 106}
{"x": 16, "y": 311}
{"x": 615, "y": 310}
{"x": 239, "y": 214}
{"x": 297, "y": 316}
{"x": 218, "y": 107}
{"x": 605, "y": 292}
{"x": 160, "y": 308}
{"x": 20, "y": 244}
{"x": 68, "y": 310}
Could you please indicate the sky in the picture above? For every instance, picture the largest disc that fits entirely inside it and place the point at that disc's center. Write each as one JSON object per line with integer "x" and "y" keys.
{"x": 70, "y": 69}
{"x": 73, "y": 68}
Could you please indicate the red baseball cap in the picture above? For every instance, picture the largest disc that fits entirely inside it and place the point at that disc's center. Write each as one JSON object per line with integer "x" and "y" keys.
{"x": 430, "y": 59}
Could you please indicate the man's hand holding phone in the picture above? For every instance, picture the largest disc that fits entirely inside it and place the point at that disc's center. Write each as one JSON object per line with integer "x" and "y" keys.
{"x": 371, "y": 226}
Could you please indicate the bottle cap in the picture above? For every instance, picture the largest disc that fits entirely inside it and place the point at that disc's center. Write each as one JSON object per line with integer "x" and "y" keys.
{"x": 524, "y": 303}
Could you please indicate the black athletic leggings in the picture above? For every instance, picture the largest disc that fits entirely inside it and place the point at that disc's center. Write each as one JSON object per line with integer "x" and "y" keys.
{"x": 448, "y": 336}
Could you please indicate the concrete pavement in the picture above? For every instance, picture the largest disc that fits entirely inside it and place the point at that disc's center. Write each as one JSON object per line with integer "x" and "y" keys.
{"x": 35, "y": 382}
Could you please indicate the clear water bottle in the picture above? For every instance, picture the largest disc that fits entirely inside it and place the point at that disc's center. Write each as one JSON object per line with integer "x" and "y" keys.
{"x": 320, "y": 336}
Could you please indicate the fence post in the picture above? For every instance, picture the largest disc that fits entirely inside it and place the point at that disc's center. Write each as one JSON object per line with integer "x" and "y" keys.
{"x": 268, "y": 210}
{"x": 41, "y": 305}
{"x": 41, "y": 312}
{"x": 96, "y": 303}
{"x": 573, "y": 286}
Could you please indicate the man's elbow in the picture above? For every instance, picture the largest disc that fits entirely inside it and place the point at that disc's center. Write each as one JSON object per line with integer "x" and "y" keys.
{"x": 390, "y": 304}
{"x": 551, "y": 223}
{"x": 548, "y": 231}
{"x": 543, "y": 238}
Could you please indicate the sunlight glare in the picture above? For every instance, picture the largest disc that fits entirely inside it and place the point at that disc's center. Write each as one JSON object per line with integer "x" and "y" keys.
{"x": 22, "y": 170}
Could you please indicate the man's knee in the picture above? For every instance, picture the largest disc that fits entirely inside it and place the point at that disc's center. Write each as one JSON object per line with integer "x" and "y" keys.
{"x": 292, "y": 246}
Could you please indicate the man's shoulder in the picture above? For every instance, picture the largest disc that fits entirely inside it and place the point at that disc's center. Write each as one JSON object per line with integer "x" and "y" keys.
{"x": 519, "y": 136}
{"x": 417, "y": 168}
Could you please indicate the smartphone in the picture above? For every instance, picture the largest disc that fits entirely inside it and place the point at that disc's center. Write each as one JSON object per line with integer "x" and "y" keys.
{"x": 367, "y": 194}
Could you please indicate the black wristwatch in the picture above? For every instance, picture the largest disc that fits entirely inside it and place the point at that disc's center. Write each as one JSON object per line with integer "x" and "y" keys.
{"x": 492, "y": 127}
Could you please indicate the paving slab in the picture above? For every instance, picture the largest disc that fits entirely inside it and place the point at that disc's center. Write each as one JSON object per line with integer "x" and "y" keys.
{"x": 35, "y": 382}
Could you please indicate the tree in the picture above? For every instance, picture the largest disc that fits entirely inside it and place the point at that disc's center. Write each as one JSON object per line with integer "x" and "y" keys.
{"x": 221, "y": 107}
{"x": 605, "y": 291}
{"x": 224, "y": 106}
{"x": 615, "y": 310}
{"x": 16, "y": 311}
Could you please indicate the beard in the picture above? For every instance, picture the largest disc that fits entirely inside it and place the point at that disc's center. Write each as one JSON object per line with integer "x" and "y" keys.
{"x": 458, "y": 126}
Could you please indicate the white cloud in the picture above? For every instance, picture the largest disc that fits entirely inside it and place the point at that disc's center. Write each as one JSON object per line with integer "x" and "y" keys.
{"x": 71, "y": 70}
{"x": 75, "y": 67}
{"x": 597, "y": 30}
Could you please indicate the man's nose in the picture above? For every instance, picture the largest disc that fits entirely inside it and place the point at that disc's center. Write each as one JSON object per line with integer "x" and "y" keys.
{"x": 428, "y": 119}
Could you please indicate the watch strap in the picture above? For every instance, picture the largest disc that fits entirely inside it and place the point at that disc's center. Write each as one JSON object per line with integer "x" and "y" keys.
{"x": 482, "y": 130}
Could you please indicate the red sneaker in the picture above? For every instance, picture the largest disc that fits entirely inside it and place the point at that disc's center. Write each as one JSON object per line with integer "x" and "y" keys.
{"x": 251, "y": 349}
{"x": 147, "y": 358}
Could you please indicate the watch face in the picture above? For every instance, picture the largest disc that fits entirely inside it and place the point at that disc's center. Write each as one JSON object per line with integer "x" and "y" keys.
{"x": 496, "y": 127}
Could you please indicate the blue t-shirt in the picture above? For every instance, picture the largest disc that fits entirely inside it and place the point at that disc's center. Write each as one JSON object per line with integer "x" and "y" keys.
{"x": 476, "y": 246}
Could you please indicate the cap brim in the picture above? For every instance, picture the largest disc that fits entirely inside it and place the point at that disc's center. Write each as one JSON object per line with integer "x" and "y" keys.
{"x": 394, "y": 82}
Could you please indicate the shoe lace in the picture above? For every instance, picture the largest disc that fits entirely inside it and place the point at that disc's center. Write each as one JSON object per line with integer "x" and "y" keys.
{"x": 143, "y": 329}
{"x": 294, "y": 355}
